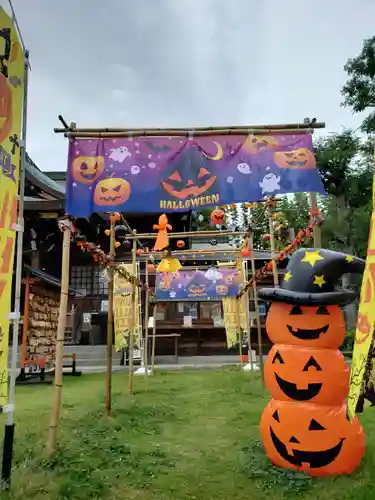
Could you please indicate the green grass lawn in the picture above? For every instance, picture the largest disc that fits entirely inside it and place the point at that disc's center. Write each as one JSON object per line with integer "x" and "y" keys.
{"x": 182, "y": 435}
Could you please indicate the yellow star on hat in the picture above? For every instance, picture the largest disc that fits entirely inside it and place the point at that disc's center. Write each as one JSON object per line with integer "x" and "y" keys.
{"x": 349, "y": 258}
{"x": 287, "y": 276}
{"x": 312, "y": 257}
{"x": 319, "y": 280}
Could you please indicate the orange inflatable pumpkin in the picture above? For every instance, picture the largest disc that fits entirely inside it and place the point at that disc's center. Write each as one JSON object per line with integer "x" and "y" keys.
{"x": 6, "y": 115}
{"x": 218, "y": 216}
{"x": 306, "y": 374}
{"x": 315, "y": 439}
{"x": 111, "y": 192}
{"x": 298, "y": 158}
{"x": 314, "y": 326}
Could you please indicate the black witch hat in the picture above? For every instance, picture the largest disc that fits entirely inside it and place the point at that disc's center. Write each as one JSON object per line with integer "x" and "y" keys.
{"x": 311, "y": 276}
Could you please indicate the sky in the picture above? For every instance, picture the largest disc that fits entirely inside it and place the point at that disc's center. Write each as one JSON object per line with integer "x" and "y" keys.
{"x": 186, "y": 63}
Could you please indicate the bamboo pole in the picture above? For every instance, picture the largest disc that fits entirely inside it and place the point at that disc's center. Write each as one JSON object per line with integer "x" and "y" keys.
{"x": 153, "y": 341}
{"x": 52, "y": 436}
{"x": 200, "y": 131}
{"x": 196, "y": 234}
{"x": 256, "y": 306}
{"x": 147, "y": 298}
{"x": 108, "y": 380}
{"x": 25, "y": 326}
{"x": 317, "y": 232}
{"x": 134, "y": 318}
{"x": 239, "y": 336}
{"x": 247, "y": 316}
{"x": 273, "y": 252}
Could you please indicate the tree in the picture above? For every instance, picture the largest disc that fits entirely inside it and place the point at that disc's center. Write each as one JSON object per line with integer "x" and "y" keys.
{"x": 346, "y": 167}
{"x": 359, "y": 90}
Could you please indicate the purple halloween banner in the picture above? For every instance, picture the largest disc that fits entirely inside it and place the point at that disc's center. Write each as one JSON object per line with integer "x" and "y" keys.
{"x": 198, "y": 285}
{"x": 164, "y": 174}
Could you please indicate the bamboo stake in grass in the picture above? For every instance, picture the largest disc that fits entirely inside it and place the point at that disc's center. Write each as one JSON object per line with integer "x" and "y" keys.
{"x": 134, "y": 307}
{"x": 256, "y": 306}
{"x": 145, "y": 347}
{"x": 108, "y": 381}
{"x": 66, "y": 226}
{"x": 153, "y": 341}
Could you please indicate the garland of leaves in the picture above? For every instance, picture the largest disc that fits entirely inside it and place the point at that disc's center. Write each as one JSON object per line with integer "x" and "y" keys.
{"x": 103, "y": 259}
{"x": 316, "y": 219}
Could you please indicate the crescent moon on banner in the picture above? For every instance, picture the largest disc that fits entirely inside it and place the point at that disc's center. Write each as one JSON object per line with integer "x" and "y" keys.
{"x": 218, "y": 155}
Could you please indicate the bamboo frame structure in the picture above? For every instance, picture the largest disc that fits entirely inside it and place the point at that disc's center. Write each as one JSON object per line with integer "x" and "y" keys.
{"x": 256, "y": 305}
{"x": 247, "y": 314}
{"x": 134, "y": 318}
{"x": 145, "y": 345}
{"x": 108, "y": 382}
{"x": 54, "y": 422}
{"x": 153, "y": 341}
{"x": 273, "y": 252}
{"x": 306, "y": 127}
{"x": 186, "y": 234}
{"x": 317, "y": 232}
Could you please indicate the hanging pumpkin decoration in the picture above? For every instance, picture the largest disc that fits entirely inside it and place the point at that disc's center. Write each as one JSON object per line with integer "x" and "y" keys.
{"x": 218, "y": 216}
{"x": 151, "y": 268}
{"x": 245, "y": 252}
{"x": 139, "y": 251}
{"x": 180, "y": 244}
{"x": 305, "y": 426}
{"x": 266, "y": 237}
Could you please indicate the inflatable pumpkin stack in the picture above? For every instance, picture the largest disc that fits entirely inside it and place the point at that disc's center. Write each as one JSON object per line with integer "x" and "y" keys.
{"x": 305, "y": 425}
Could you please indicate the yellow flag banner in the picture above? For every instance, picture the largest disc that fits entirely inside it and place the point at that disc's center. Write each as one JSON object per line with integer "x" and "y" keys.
{"x": 234, "y": 318}
{"x": 365, "y": 320}
{"x": 11, "y": 99}
{"x": 123, "y": 310}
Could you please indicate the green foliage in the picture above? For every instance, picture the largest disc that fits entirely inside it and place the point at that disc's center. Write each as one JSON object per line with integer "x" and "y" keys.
{"x": 359, "y": 90}
{"x": 186, "y": 435}
{"x": 256, "y": 466}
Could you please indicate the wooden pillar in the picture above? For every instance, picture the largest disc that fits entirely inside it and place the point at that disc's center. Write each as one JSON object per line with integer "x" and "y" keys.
{"x": 273, "y": 248}
{"x": 25, "y": 326}
{"x": 256, "y": 306}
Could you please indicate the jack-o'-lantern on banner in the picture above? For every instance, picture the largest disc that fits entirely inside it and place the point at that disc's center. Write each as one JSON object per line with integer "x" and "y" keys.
{"x": 87, "y": 169}
{"x": 305, "y": 426}
{"x": 297, "y": 158}
{"x": 189, "y": 176}
{"x": 112, "y": 192}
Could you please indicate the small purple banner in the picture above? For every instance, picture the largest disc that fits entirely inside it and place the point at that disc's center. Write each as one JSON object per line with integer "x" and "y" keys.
{"x": 212, "y": 284}
{"x": 165, "y": 174}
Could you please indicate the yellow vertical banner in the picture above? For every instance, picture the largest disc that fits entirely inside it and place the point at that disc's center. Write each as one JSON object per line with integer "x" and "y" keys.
{"x": 11, "y": 99}
{"x": 365, "y": 320}
{"x": 234, "y": 312}
{"x": 123, "y": 310}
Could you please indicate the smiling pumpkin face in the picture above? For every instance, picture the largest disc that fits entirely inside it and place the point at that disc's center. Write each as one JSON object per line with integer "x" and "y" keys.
{"x": 111, "y": 192}
{"x": 87, "y": 169}
{"x": 297, "y": 158}
{"x": 313, "y": 375}
{"x": 318, "y": 440}
{"x": 258, "y": 143}
{"x": 306, "y": 326}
